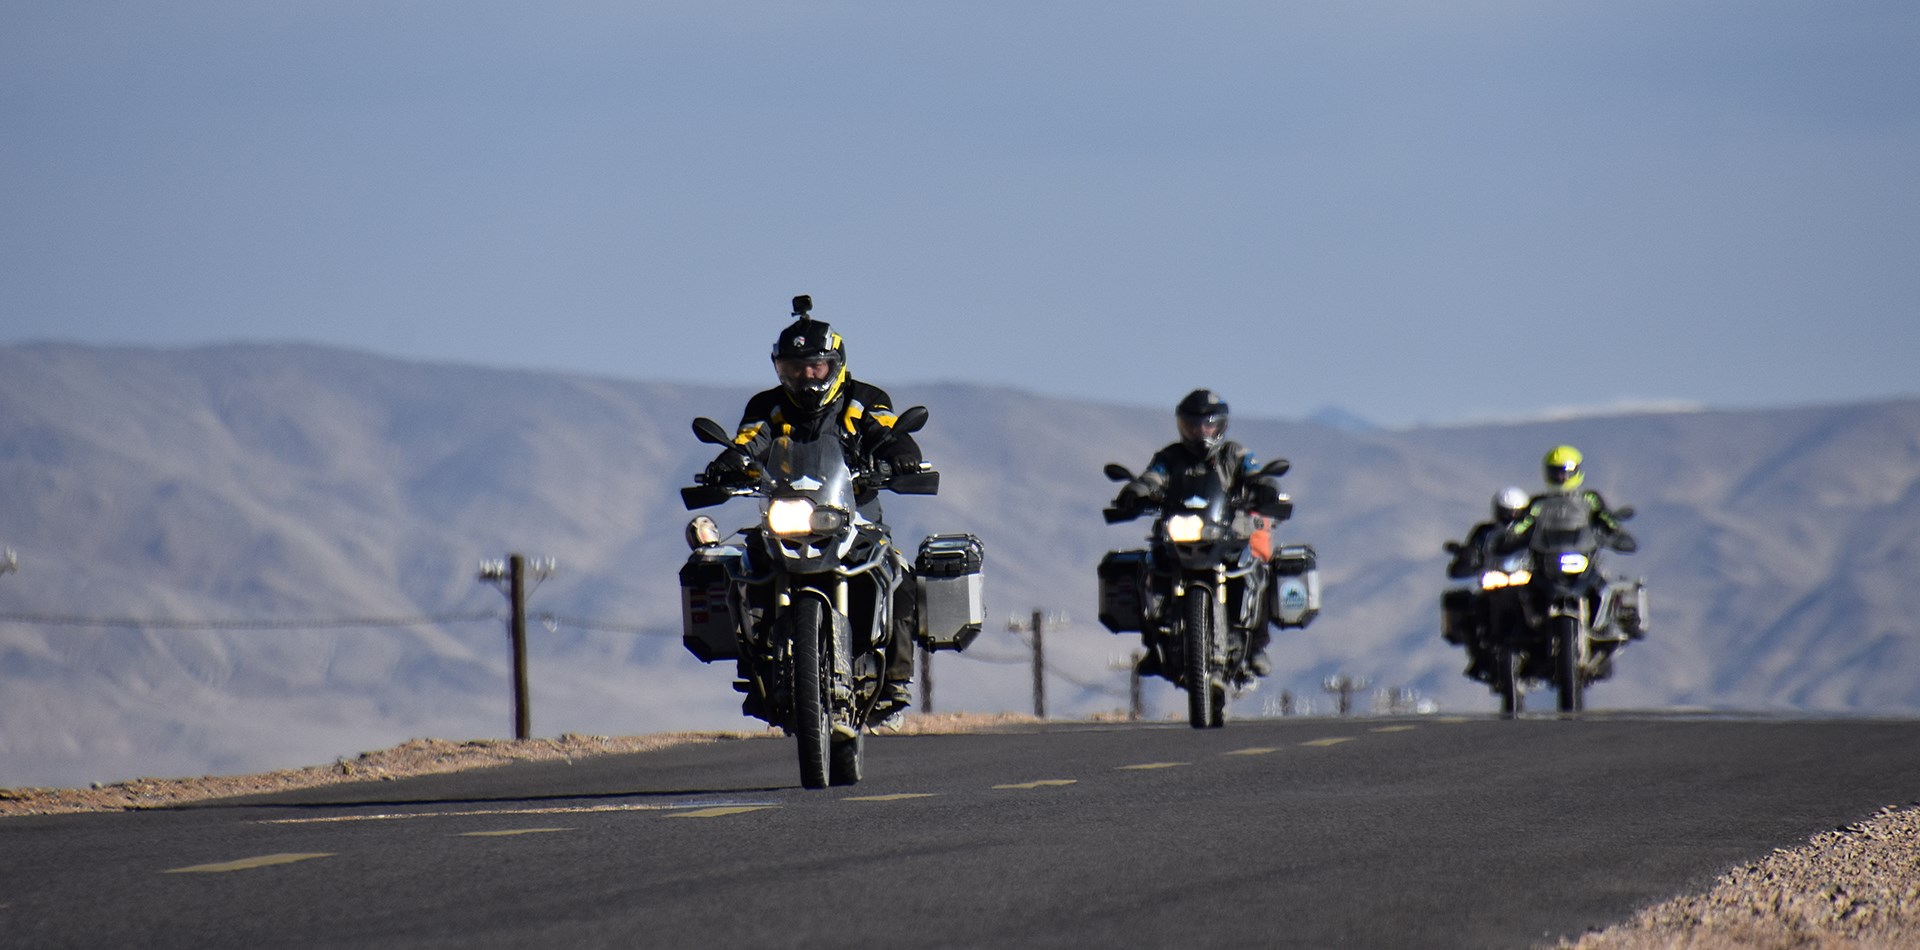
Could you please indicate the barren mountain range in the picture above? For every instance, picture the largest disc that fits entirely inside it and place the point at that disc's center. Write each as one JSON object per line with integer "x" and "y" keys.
{"x": 260, "y": 556}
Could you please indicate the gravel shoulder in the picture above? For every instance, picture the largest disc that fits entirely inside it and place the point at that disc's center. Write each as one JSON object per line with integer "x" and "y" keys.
{"x": 1854, "y": 887}
{"x": 1857, "y": 886}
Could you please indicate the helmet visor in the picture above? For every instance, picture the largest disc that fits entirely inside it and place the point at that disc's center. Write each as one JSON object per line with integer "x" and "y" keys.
{"x": 1203, "y": 429}
{"x": 1562, "y": 473}
{"x": 800, "y": 373}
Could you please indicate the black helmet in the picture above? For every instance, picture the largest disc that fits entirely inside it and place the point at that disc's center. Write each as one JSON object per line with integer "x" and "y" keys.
{"x": 1202, "y": 417}
{"x": 809, "y": 358}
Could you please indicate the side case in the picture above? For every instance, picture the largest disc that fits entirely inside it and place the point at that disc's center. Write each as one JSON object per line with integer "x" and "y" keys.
{"x": 706, "y": 606}
{"x": 948, "y": 572}
{"x": 1123, "y": 591}
{"x": 1295, "y": 592}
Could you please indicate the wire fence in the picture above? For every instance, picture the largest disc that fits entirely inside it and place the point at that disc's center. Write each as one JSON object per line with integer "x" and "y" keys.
{"x": 326, "y": 623}
{"x": 552, "y": 621}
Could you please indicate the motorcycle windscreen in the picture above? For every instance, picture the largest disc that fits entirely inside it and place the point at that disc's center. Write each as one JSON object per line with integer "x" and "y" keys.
{"x": 816, "y": 469}
{"x": 1204, "y": 495}
{"x": 1561, "y": 522}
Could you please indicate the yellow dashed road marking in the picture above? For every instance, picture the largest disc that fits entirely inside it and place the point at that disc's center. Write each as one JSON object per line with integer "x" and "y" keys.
{"x": 1040, "y": 784}
{"x": 557, "y": 810}
{"x": 1396, "y": 729}
{"x": 720, "y": 812}
{"x": 512, "y": 831}
{"x": 1152, "y": 765}
{"x": 1256, "y": 750}
{"x": 247, "y": 864}
{"x": 1453, "y": 720}
{"x": 902, "y": 796}
{"x": 1333, "y": 740}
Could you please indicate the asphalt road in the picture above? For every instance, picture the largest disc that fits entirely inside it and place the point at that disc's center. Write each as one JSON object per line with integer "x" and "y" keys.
{"x": 1299, "y": 832}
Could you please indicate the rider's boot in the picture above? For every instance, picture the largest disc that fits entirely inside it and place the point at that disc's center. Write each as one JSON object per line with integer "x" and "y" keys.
{"x": 897, "y": 693}
{"x": 1257, "y": 660}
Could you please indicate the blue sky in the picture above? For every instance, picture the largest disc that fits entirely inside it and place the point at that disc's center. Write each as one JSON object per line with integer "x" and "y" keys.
{"x": 1420, "y": 212}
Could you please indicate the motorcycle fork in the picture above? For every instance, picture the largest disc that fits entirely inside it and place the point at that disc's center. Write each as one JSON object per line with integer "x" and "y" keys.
{"x": 842, "y": 642}
{"x": 1218, "y": 592}
{"x": 1574, "y": 608}
{"x": 838, "y": 645}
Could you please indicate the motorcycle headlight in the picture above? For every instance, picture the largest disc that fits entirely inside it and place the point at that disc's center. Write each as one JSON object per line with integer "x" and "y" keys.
{"x": 1519, "y": 578}
{"x": 1183, "y": 529}
{"x": 1573, "y": 562}
{"x": 1494, "y": 580}
{"x": 790, "y": 516}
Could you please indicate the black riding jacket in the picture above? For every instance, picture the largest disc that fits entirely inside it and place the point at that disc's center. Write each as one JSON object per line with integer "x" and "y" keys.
{"x": 860, "y": 413}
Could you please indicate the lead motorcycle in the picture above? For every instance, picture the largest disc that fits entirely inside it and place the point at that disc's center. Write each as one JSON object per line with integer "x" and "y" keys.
{"x": 1553, "y": 616}
{"x": 1199, "y": 588}
{"x": 804, "y": 599}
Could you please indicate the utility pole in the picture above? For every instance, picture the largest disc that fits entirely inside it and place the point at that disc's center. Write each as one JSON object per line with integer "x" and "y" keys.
{"x": 1344, "y": 686}
{"x": 1130, "y": 665}
{"x": 511, "y": 577}
{"x": 1039, "y": 666}
{"x": 1136, "y": 703}
{"x": 1038, "y": 628}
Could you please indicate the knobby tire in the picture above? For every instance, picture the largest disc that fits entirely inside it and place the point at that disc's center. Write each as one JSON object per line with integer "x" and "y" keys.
{"x": 812, "y": 709}
{"x": 1567, "y": 642}
{"x": 1199, "y": 646}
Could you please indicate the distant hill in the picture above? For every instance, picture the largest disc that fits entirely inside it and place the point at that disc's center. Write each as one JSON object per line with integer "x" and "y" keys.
{"x": 200, "y": 495}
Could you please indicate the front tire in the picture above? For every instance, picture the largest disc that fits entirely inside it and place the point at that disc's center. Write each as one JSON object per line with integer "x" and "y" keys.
{"x": 811, "y": 709}
{"x": 843, "y": 764}
{"x": 1506, "y": 677}
{"x": 1567, "y": 641}
{"x": 1199, "y": 647}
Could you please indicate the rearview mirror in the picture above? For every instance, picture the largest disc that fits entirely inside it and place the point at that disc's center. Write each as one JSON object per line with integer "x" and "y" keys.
{"x": 911, "y": 420}
{"x": 1117, "y": 472}
{"x": 707, "y": 430}
{"x": 1276, "y": 467}
{"x": 1623, "y": 514}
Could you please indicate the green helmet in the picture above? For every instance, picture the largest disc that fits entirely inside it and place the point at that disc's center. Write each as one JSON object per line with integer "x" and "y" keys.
{"x": 1563, "y": 468}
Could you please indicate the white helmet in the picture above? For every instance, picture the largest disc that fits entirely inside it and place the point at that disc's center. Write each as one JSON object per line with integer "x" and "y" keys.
{"x": 1510, "y": 504}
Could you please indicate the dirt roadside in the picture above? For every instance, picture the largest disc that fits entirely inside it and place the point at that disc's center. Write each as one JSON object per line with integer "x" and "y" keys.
{"x": 1854, "y": 887}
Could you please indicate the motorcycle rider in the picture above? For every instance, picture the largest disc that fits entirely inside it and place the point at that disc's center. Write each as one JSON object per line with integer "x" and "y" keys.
{"x": 817, "y": 395}
{"x": 1201, "y": 419}
{"x": 1481, "y": 549}
{"x": 1562, "y": 467}
{"x": 1470, "y": 558}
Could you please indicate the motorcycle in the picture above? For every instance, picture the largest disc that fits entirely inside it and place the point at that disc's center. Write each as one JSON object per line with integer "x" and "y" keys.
{"x": 1552, "y": 615}
{"x": 1199, "y": 589}
{"x": 803, "y": 600}
{"x": 1489, "y": 602}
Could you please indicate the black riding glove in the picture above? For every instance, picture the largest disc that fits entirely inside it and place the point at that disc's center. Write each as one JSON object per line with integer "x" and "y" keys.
{"x": 731, "y": 466}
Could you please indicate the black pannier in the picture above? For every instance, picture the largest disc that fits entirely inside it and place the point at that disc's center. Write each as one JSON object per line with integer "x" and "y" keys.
{"x": 706, "y": 607}
{"x": 1123, "y": 591}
